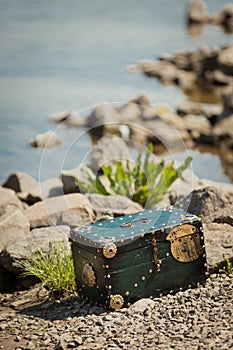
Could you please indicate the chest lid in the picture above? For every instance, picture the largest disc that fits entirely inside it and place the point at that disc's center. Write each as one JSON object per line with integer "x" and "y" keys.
{"x": 125, "y": 229}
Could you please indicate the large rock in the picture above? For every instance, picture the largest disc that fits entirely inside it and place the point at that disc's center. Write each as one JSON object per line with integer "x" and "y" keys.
{"x": 71, "y": 209}
{"x": 20, "y": 182}
{"x": 106, "y": 152}
{"x": 196, "y": 125}
{"x": 142, "y": 100}
{"x": 46, "y": 189}
{"x": 225, "y": 18}
{"x": 205, "y": 201}
{"x": 69, "y": 178}
{"x": 38, "y": 239}
{"x": 14, "y": 226}
{"x": 112, "y": 205}
{"x": 102, "y": 117}
{"x": 189, "y": 107}
{"x": 197, "y": 12}
{"x": 46, "y": 140}
{"x": 162, "y": 132}
{"x": 223, "y": 132}
{"x": 130, "y": 112}
{"x": 219, "y": 244}
{"x": 8, "y": 197}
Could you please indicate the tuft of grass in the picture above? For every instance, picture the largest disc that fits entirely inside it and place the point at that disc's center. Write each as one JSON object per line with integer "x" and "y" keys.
{"x": 55, "y": 270}
{"x": 145, "y": 184}
{"x": 228, "y": 267}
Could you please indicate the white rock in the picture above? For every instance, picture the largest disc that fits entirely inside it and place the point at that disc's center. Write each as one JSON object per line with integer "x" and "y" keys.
{"x": 46, "y": 140}
{"x": 141, "y": 306}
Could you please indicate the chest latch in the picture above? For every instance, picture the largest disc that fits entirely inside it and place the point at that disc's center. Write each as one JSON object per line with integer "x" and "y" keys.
{"x": 156, "y": 254}
{"x": 185, "y": 243}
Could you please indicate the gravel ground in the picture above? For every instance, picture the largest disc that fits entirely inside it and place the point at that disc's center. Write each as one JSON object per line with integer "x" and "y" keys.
{"x": 200, "y": 319}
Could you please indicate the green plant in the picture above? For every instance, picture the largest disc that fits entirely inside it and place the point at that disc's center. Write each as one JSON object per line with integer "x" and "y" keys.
{"x": 228, "y": 266}
{"x": 146, "y": 183}
{"x": 55, "y": 269}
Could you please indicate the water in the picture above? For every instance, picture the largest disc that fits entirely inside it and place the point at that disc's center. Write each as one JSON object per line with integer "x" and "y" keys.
{"x": 68, "y": 55}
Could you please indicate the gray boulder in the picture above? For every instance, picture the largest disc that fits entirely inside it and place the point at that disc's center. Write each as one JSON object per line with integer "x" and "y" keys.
{"x": 225, "y": 18}
{"x": 111, "y": 205}
{"x": 142, "y": 100}
{"x": 197, "y": 12}
{"x": 20, "y": 182}
{"x": 46, "y": 189}
{"x": 46, "y": 140}
{"x": 102, "y": 115}
{"x": 107, "y": 151}
{"x": 223, "y": 132}
{"x": 38, "y": 239}
{"x": 71, "y": 209}
{"x": 188, "y": 107}
{"x": 8, "y": 197}
{"x": 14, "y": 226}
{"x": 205, "y": 201}
{"x": 69, "y": 178}
{"x": 130, "y": 112}
{"x": 219, "y": 245}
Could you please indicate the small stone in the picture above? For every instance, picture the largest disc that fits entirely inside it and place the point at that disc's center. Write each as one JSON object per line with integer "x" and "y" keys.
{"x": 17, "y": 338}
{"x": 60, "y": 345}
{"x": 141, "y": 306}
{"x": 29, "y": 346}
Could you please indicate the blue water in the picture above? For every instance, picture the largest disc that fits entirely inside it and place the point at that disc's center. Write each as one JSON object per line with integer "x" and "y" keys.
{"x": 69, "y": 55}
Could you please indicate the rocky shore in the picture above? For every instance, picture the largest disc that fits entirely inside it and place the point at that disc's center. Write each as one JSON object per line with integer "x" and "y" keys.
{"x": 33, "y": 215}
{"x": 198, "y": 318}
{"x": 198, "y": 16}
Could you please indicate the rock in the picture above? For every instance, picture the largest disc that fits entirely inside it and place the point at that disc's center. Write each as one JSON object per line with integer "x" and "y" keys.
{"x": 197, "y": 12}
{"x": 69, "y": 178}
{"x": 222, "y": 215}
{"x": 130, "y": 112}
{"x": 38, "y": 239}
{"x": 223, "y": 132}
{"x": 188, "y": 107}
{"x": 200, "y": 74}
{"x": 196, "y": 124}
{"x": 225, "y": 187}
{"x": 226, "y": 18}
{"x": 227, "y": 107}
{"x": 219, "y": 244}
{"x": 161, "y": 132}
{"x": 101, "y": 117}
{"x": 205, "y": 201}
{"x": 46, "y": 140}
{"x": 182, "y": 187}
{"x": 111, "y": 205}
{"x": 13, "y": 226}
{"x": 217, "y": 77}
{"x": 20, "y": 182}
{"x": 46, "y": 189}
{"x": 60, "y": 345}
{"x": 106, "y": 152}
{"x": 141, "y": 306}
{"x": 70, "y": 209}
{"x": 141, "y": 100}
{"x": 8, "y": 197}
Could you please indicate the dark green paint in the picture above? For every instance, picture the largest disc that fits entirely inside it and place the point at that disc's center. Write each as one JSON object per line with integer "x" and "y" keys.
{"x": 134, "y": 259}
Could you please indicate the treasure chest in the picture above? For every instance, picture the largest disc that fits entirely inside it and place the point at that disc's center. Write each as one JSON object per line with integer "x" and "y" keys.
{"x": 146, "y": 254}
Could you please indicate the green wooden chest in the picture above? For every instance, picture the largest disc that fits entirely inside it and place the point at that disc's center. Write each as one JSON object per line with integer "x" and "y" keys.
{"x": 146, "y": 254}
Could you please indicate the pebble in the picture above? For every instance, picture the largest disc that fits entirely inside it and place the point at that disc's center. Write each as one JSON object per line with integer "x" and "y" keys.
{"x": 198, "y": 318}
